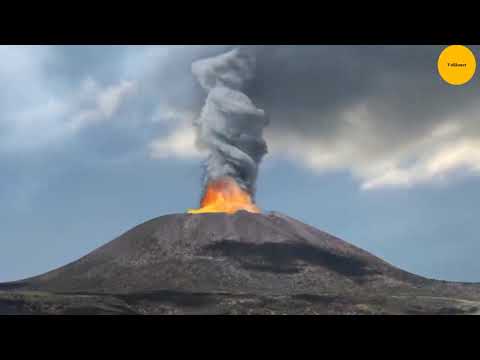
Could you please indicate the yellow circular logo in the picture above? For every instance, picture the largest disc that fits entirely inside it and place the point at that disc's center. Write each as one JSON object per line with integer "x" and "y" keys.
{"x": 456, "y": 64}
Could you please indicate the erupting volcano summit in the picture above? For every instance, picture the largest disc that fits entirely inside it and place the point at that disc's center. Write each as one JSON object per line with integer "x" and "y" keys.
{"x": 224, "y": 195}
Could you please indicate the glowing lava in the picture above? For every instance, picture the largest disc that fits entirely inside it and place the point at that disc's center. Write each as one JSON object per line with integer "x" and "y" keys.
{"x": 225, "y": 196}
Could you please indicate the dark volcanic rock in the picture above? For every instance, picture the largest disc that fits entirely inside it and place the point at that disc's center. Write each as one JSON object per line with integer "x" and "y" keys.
{"x": 233, "y": 264}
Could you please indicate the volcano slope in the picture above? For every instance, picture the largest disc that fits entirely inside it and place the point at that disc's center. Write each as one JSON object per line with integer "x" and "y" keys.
{"x": 233, "y": 264}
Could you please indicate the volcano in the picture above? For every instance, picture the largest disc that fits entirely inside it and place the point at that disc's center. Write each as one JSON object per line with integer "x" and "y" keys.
{"x": 241, "y": 263}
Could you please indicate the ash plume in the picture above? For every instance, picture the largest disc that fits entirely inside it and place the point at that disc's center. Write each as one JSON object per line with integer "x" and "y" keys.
{"x": 230, "y": 126}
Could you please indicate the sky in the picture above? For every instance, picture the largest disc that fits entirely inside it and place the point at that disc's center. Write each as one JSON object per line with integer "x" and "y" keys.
{"x": 367, "y": 143}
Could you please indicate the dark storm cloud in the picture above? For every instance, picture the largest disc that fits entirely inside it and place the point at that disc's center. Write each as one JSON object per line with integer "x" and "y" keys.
{"x": 315, "y": 84}
{"x": 363, "y": 108}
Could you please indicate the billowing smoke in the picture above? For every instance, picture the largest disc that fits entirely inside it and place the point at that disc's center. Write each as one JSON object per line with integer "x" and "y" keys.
{"x": 230, "y": 127}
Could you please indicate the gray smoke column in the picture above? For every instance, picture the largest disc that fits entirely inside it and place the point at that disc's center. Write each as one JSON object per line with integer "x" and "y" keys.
{"x": 230, "y": 126}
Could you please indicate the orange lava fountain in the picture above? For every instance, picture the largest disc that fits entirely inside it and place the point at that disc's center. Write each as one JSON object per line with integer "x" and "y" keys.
{"x": 225, "y": 196}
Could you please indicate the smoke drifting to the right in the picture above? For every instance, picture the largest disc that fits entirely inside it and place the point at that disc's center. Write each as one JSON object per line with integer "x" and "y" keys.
{"x": 230, "y": 128}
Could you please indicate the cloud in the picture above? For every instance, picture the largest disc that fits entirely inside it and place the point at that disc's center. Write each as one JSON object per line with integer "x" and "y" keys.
{"x": 379, "y": 112}
{"x": 51, "y": 93}
{"x": 442, "y": 151}
{"x": 178, "y": 144}
{"x": 59, "y": 118}
{"x": 104, "y": 102}
{"x": 462, "y": 154}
